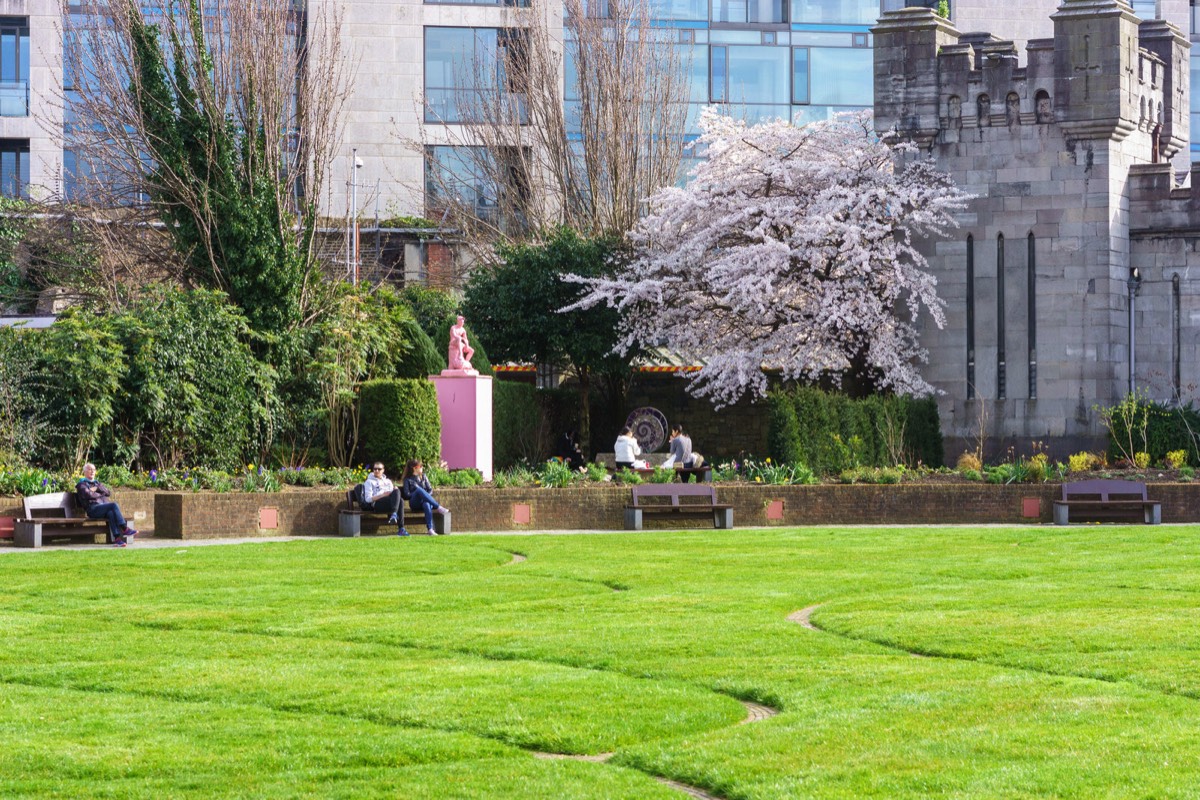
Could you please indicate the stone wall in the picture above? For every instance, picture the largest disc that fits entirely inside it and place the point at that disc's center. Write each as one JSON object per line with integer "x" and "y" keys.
{"x": 314, "y": 513}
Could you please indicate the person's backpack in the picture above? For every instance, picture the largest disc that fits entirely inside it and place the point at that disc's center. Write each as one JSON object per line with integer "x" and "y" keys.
{"x": 356, "y": 494}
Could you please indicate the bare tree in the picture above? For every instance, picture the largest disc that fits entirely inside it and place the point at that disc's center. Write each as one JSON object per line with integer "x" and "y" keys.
{"x": 539, "y": 145}
{"x": 186, "y": 111}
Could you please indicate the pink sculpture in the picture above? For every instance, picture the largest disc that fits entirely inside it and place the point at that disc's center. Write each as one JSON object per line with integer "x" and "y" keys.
{"x": 460, "y": 350}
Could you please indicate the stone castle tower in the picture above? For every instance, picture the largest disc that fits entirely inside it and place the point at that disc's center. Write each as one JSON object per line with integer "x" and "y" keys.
{"x": 1069, "y": 280}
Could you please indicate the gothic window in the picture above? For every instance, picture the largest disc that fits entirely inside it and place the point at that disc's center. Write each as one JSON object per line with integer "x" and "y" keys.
{"x": 1031, "y": 302}
{"x": 970, "y": 317}
{"x": 1043, "y": 109}
{"x": 1012, "y": 109}
{"x": 983, "y": 110}
{"x": 1001, "y": 368}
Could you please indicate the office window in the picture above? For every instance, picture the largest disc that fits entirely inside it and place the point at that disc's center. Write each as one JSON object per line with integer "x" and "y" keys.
{"x": 719, "y": 75}
{"x": 465, "y": 67}
{"x": 845, "y": 12}
{"x": 467, "y": 175}
{"x": 696, "y": 10}
{"x": 14, "y": 167}
{"x": 800, "y": 75}
{"x": 759, "y": 75}
{"x": 14, "y": 67}
{"x": 1145, "y": 9}
{"x": 844, "y": 76}
{"x": 749, "y": 11}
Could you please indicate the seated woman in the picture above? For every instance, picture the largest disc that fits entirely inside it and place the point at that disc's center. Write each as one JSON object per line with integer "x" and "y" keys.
{"x": 419, "y": 493}
{"x": 626, "y": 449}
{"x": 96, "y": 501}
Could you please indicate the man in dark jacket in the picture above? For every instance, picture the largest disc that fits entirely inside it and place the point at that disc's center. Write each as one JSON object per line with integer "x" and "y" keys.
{"x": 96, "y": 500}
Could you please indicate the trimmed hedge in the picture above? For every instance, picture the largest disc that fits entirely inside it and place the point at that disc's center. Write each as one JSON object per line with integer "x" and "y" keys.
{"x": 422, "y": 358}
{"x": 831, "y": 432}
{"x": 516, "y": 422}
{"x": 399, "y": 420}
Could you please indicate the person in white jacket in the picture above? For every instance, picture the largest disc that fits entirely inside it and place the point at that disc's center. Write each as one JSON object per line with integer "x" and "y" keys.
{"x": 626, "y": 449}
{"x": 380, "y": 495}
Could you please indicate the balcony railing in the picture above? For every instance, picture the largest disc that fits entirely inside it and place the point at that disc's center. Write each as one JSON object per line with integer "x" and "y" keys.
{"x": 14, "y": 98}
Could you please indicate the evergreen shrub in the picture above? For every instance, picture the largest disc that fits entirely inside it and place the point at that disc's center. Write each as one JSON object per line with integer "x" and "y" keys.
{"x": 422, "y": 358}
{"x": 399, "y": 420}
{"x": 516, "y": 419}
{"x": 831, "y": 433}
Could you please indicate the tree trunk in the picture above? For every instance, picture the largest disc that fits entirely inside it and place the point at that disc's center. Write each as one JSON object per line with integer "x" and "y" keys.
{"x": 585, "y": 413}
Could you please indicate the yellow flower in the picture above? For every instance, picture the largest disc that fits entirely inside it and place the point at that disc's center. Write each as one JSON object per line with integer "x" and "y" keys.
{"x": 249, "y": 468}
{"x": 768, "y": 459}
{"x": 758, "y": 479}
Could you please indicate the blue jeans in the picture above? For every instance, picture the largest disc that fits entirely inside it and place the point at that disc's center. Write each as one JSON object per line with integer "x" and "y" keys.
{"x": 110, "y": 513}
{"x": 421, "y": 500}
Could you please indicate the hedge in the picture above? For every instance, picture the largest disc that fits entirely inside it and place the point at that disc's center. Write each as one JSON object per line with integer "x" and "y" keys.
{"x": 399, "y": 420}
{"x": 422, "y": 358}
{"x": 831, "y": 432}
{"x": 516, "y": 423}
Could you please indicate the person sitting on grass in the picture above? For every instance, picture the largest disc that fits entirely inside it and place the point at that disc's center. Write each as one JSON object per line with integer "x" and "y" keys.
{"x": 96, "y": 501}
{"x": 381, "y": 496}
{"x": 419, "y": 493}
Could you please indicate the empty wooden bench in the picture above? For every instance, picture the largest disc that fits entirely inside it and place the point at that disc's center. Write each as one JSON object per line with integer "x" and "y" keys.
{"x": 676, "y": 500}
{"x": 350, "y": 516}
{"x": 1106, "y": 501}
{"x": 55, "y": 516}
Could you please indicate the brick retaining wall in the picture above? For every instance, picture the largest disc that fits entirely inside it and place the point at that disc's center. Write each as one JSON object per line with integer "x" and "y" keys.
{"x": 205, "y": 515}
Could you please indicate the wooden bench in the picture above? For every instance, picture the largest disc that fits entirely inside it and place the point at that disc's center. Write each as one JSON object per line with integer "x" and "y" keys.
{"x": 55, "y": 516}
{"x": 1106, "y": 500}
{"x": 663, "y": 499}
{"x": 350, "y": 517}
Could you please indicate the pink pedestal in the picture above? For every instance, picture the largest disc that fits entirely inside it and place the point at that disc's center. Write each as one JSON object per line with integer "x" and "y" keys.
{"x": 465, "y": 400}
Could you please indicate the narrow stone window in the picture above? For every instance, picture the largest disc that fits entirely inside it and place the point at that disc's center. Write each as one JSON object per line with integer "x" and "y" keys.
{"x": 1001, "y": 367}
{"x": 1031, "y": 288}
{"x": 970, "y": 317}
{"x": 954, "y": 111}
{"x": 1176, "y": 325}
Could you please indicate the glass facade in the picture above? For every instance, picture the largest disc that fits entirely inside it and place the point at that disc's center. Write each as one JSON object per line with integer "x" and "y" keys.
{"x": 14, "y": 67}
{"x": 465, "y": 69}
{"x": 14, "y": 168}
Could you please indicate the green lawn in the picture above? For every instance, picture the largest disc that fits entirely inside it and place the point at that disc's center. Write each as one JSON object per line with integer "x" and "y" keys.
{"x": 950, "y": 663}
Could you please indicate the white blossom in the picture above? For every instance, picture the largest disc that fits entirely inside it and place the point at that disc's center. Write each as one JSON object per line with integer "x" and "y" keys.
{"x": 790, "y": 248}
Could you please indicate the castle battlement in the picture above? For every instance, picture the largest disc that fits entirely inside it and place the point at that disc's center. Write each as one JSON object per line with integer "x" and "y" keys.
{"x": 1104, "y": 75}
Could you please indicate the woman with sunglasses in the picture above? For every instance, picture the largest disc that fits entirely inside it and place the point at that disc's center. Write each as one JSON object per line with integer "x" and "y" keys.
{"x": 380, "y": 495}
{"x": 419, "y": 493}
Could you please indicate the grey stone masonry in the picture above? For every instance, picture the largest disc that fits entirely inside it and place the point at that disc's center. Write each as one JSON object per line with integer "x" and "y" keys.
{"x": 1068, "y": 158}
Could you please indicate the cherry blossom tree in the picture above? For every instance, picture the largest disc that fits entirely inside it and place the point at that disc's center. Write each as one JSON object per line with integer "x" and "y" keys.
{"x": 790, "y": 248}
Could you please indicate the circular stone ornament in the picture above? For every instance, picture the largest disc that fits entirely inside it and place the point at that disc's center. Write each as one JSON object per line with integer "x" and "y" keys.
{"x": 649, "y": 428}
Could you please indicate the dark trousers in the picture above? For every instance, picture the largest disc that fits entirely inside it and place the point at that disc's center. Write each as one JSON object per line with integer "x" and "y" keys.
{"x": 388, "y": 504}
{"x": 421, "y": 500}
{"x": 110, "y": 513}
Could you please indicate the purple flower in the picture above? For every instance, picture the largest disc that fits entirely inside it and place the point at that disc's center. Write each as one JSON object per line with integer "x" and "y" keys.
{"x": 44, "y": 482}
{"x": 153, "y": 475}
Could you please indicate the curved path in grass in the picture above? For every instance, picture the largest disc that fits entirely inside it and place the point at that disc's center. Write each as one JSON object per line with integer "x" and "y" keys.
{"x": 755, "y": 712}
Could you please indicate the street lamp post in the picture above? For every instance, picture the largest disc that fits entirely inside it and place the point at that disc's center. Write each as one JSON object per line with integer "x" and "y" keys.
{"x": 1134, "y": 284}
{"x": 356, "y": 162}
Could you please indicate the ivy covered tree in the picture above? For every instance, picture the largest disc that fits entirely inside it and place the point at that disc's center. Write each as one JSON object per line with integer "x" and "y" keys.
{"x": 793, "y": 248}
{"x": 515, "y": 308}
{"x": 219, "y": 120}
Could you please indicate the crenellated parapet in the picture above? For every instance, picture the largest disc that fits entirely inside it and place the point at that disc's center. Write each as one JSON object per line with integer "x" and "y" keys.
{"x": 1104, "y": 75}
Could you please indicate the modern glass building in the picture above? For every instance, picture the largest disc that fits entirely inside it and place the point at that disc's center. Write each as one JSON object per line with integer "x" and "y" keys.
{"x": 801, "y": 60}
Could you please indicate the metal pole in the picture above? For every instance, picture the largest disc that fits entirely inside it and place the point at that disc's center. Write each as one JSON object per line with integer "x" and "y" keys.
{"x": 354, "y": 212}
